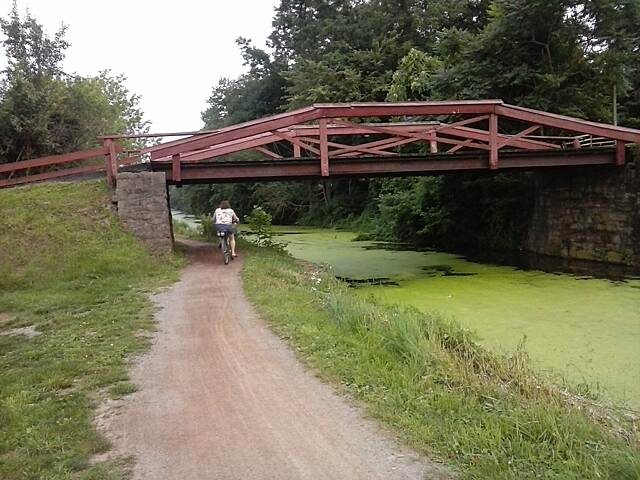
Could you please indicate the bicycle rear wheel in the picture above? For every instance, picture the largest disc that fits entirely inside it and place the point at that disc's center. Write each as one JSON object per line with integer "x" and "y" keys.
{"x": 226, "y": 251}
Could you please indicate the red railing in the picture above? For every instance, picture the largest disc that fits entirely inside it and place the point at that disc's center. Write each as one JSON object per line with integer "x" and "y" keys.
{"x": 84, "y": 162}
{"x": 337, "y": 132}
{"x": 488, "y": 126}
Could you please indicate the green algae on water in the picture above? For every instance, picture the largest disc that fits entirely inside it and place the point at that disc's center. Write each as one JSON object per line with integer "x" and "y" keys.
{"x": 585, "y": 330}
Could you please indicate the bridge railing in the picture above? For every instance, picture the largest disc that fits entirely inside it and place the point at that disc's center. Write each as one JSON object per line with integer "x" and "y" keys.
{"x": 590, "y": 141}
{"x": 105, "y": 159}
{"x": 331, "y": 132}
{"x": 329, "y": 135}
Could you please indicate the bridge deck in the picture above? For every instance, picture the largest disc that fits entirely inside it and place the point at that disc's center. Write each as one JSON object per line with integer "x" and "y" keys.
{"x": 372, "y": 166}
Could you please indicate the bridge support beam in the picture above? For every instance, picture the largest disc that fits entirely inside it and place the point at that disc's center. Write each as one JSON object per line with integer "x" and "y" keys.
{"x": 143, "y": 207}
{"x": 324, "y": 148}
{"x": 111, "y": 161}
{"x": 590, "y": 213}
{"x": 493, "y": 141}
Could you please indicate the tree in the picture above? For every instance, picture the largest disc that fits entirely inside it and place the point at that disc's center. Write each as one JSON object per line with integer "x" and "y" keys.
{"x": 31, "y": 89}
{"x": 554, "y": 55}
{"x": 310, "y": 28}
{"x": 43, "y": 110}
{"x": 413, "y": 80}
{"x": 30, "y": 52}
{"x": 613, "y": 43}
{"x": 255, "y": 94}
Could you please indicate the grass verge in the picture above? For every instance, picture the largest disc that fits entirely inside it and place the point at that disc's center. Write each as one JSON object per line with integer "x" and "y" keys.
{"x": 488, "y": 416}
{"x": 184, "y": 230}
{"x": 69, "y": 271}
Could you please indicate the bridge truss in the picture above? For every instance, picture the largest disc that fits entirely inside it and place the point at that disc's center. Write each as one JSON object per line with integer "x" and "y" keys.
{"x": 358, "y": 139}
{"x": 367, "y": 139}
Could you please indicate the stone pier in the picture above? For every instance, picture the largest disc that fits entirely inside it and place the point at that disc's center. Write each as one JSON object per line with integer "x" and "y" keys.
{"x": 589, "y": 213}
{"x": 143, "y": 206}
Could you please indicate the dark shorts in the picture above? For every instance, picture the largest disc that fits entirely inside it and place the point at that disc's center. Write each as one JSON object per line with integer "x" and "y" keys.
{"x": 223, "y": 228}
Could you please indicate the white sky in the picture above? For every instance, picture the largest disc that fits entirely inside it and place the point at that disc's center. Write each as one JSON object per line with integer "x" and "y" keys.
{"x": 172, "y": 53}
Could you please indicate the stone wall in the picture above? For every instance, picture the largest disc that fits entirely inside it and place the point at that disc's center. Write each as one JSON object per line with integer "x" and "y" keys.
{"x": 589, "y": 213}
{"x": 143, "y": 206}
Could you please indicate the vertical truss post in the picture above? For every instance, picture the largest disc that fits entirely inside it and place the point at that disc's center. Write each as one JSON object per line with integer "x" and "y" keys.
{"x": 324, "y": 148}
{"x": 296, "y": 150}
{"x": 493, "y": 141}
{"x": 111, "y": 161}
{"x": 114, "y": 159}
{"x": 433, "y": 144}
{"x": 176, "y": 172}
{"x": 620, "y": 153}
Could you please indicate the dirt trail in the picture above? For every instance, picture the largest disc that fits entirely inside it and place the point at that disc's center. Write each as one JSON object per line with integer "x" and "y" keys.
{"x": 222, "y": 398}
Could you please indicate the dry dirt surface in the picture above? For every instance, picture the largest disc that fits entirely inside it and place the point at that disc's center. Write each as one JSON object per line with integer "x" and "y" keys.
{"x": 221, "y": 397}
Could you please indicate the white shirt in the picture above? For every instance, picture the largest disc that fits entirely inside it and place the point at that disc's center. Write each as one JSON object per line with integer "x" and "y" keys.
{"x": 224, "y": 216}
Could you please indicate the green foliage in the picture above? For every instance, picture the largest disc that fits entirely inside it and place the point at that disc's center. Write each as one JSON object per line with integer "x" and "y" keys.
{"x": 30, "y": 52}
{"x": 261, "y": 226}
{"x": 253, "y": 95}
{"x": 487, "y": 212}
{"x": 490, "y": 416}
{"x": 44, "y": 111}
{"x": 326, "y": 203}
{"x": 207, "y": 228}
{"x": 319, "y": 82}
{"x": 411, "y": 210}
{"x": 183, "y": 229}
{"x": 284, "y": 200}
{"x": 564, "y": 64}
{"x": 69, "y": 270}
{"x": 414, "y": 77}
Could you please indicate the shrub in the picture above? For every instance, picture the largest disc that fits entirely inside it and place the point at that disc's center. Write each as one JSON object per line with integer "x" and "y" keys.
{"x": 260, "y": 224}
{"x": 183, "y": 229}
{"x": 208, "y": 228}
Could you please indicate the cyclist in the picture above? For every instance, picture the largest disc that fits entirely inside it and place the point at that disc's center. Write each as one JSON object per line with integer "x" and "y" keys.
{"x": 224, "y": 217}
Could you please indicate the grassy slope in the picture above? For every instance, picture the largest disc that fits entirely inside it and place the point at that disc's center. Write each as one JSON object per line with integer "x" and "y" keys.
{"x": 67, "y": 268}
{"x": 488, "y": 416}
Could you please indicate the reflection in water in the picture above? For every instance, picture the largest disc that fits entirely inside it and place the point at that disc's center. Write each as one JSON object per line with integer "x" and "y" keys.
{"x": 583, "y": 268}
{"x": 359, "y": 282}
{"x": 445, "y": 270}
{"x": 524, "y": 261}
{"x": 584, "y": 328}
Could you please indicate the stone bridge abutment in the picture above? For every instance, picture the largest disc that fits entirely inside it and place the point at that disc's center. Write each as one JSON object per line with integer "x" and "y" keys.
{"x": 588, "y": 213}
{"x": 143, "y": 206}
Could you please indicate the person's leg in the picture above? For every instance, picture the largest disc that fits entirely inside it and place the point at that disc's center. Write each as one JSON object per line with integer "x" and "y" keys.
{"x": 232, "y": 241}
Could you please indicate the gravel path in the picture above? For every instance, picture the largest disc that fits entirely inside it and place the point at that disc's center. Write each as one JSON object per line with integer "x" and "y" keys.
{"x": 221, "y": 397}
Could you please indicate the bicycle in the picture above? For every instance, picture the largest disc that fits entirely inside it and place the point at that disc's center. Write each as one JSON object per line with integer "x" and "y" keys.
{"x": 225, "y": 248}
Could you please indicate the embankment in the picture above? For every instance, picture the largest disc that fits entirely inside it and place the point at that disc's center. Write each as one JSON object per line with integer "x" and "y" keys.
{"x": 73, "y": 310}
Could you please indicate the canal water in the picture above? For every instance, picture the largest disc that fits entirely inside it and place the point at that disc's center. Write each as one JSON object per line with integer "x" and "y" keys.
{"x": 579, "y": 328}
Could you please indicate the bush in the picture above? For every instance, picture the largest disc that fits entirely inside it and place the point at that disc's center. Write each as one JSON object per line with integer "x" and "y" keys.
{"x": 208, "y": 228}
{"x": 260, "y": 224}
{"x": 183, "y": 229}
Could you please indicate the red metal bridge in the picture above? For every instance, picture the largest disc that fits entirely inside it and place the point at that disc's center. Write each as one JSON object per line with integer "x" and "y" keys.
{"x": 354, "y": 139}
